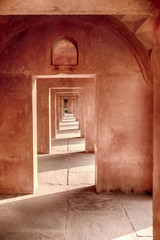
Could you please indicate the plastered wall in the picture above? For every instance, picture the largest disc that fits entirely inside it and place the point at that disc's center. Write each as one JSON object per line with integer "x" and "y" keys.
{"x": 124, "y": 95}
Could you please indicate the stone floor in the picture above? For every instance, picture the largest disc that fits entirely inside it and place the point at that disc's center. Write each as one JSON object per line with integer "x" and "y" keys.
{"x": 65, "y": 206}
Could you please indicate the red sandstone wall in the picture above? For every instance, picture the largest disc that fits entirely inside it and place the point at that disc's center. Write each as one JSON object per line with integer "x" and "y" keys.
{"x": 43, "y": 101}
{"x": 53, "y": 114}
{"x": 73, "y": 7}
{"x": 16, "y": 135}
{"x": 70, "y": 105}
{"x": 156, "y": 170}
{"x": 124, "y": 97}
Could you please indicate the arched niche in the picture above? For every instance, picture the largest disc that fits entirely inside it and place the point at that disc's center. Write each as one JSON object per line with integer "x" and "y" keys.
{"x": 64, "y": 52}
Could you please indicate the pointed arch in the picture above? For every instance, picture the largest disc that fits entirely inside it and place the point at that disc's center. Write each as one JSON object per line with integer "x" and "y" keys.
{"x": 64, "y": 52}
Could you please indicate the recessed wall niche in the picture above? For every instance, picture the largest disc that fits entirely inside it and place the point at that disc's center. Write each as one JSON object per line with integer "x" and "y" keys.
{"x": 64, "y": 52}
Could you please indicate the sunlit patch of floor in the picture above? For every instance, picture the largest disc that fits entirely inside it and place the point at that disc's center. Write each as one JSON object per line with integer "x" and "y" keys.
{"x": 65, "y": 205}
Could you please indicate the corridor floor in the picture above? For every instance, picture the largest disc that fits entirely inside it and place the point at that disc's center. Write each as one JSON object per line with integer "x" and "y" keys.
{"x": 65, "y": 205}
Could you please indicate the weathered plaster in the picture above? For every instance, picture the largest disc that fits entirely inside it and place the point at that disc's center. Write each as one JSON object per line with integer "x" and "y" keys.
{"x": 56, "y": 7}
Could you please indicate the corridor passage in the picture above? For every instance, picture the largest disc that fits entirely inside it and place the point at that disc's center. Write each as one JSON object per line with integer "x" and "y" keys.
{"x": 65, "y": 205}
{"x": 67, "y": 167}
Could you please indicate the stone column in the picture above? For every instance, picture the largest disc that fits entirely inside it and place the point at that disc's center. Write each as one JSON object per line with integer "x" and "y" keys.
{"x": 77, "y": 110}
{"x": 18, "y": 135}
{"x": 82, "y": 115}
{"x": 90, "y": 113}
{"x": 70, "y": 105}
{"x": 156, "y": 141}
{"x": 74, "y": 106}
{"x": 61, "y": 108}
{"x": 57, "y": 111}
{"x": 44, "y": 120}
{"x": 53, "y": 127}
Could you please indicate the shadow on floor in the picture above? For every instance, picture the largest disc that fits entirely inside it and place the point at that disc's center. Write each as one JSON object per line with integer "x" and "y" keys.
{"x": 63, "y": 161}
{"x": 76, "y": 214}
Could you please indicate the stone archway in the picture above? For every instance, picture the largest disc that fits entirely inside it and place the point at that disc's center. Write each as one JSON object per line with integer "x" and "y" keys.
{"x": 119, "y": 135}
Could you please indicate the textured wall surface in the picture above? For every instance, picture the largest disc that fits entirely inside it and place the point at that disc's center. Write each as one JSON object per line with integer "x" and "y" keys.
{"x": 53, "y": 114}
{"x": 124, "y": 93}
{"x": 156, "y": 170}
{"x": 16, "y": 135}
{"x": 74, "y": 7}
{"x": 70, "y": 105}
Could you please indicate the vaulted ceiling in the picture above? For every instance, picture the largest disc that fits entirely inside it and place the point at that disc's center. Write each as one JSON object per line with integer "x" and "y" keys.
{"x": 141, "y": 26}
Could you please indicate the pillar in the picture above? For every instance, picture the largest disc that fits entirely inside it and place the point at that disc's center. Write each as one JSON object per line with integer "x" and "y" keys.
{"x": 44, "y": 120}
{"x": 53, "y": 127}
{"x": 77, "y": 110}
{"x": 90, "y": 117}
{"x": 70, "y": 105}
{"x": 156, "y": 142}
{"x": 61, "y": 108}
{"x": 57, "y": 111}
{"x": 81, "y": 104}
{"x": 74, "y": 106}
{"x": 18, "y": 135}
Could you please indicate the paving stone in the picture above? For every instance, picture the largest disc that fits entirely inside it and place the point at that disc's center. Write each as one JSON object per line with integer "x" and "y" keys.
{"x": 65, "y": 205}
